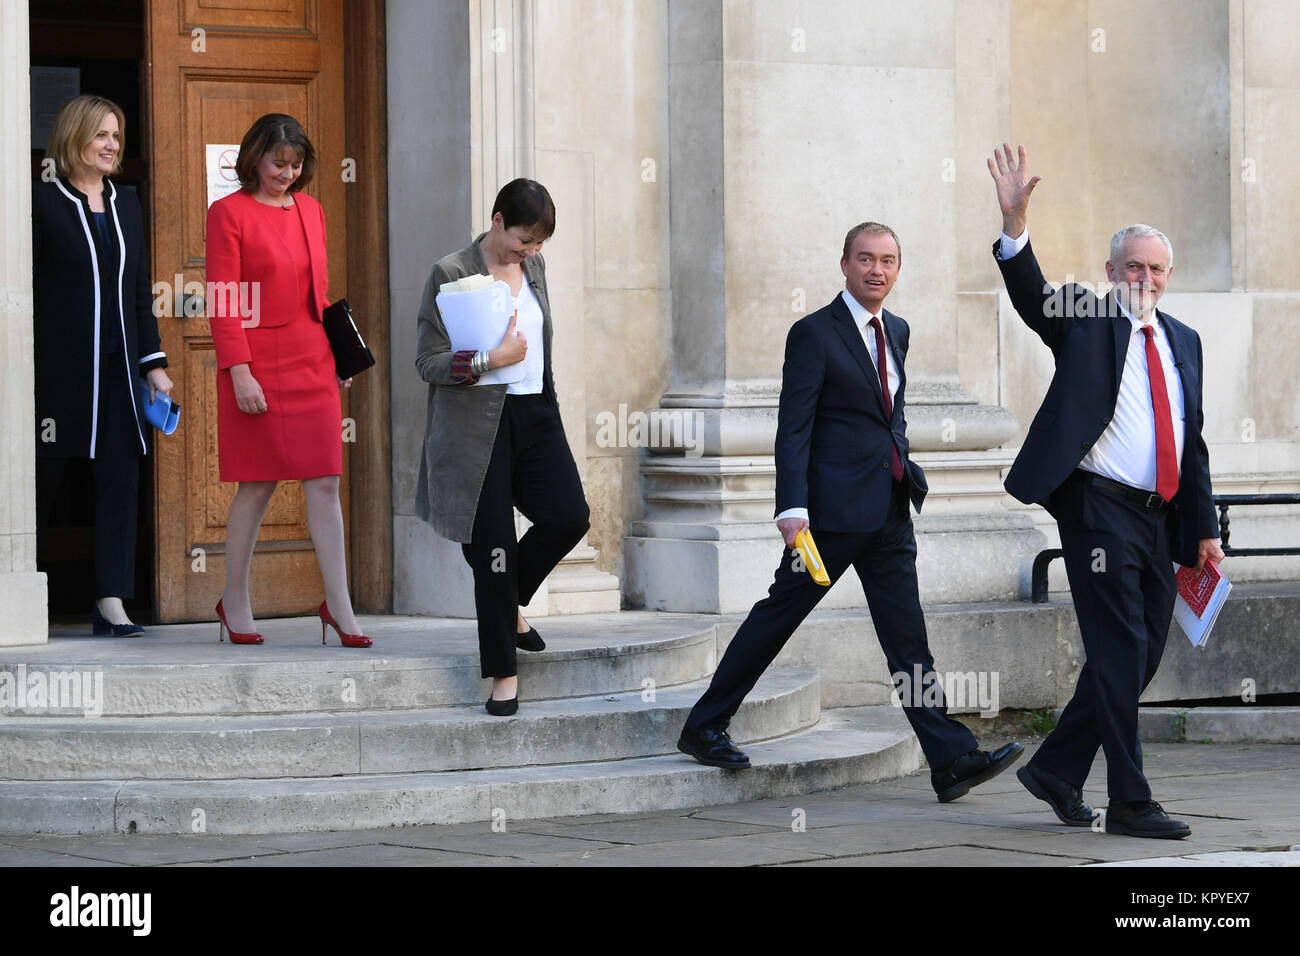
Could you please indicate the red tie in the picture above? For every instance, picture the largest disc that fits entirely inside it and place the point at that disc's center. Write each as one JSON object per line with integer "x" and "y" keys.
{"x": 896, "y": 463}
{"x": 1166, "y": 454}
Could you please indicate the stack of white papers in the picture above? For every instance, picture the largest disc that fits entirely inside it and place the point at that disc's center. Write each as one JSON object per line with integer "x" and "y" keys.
{"x": 476, "y": 311}
{"x": 1200, "y": 598}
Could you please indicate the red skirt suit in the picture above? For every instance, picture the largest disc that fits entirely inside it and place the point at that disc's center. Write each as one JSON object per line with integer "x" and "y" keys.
{"x": 279, "y": 256}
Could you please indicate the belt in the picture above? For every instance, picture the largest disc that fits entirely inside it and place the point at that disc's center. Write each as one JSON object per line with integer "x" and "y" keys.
{"x": 1117, "y": 489}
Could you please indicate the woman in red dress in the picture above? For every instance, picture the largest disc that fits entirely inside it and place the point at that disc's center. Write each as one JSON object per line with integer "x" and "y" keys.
{"x": 278, "y": 412}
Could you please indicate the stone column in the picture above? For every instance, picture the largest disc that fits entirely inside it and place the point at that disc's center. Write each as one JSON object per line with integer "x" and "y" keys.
{"x": 23, "y": 618}
{"x": 781, "y": 140}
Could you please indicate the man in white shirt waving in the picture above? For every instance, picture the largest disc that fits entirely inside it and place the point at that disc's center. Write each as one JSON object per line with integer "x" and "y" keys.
{"x": 1116, "y": 455}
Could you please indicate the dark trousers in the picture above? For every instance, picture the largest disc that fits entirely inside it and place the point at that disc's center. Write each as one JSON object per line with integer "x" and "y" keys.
{"x": 532, "y": 469}
{"x": 1121, "y": 575}
{"x": 885, "y": 561}
{"x": 115, "y": 471}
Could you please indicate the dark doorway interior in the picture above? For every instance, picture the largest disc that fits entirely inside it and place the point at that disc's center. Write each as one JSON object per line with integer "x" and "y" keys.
{"x": 104, "y": 41}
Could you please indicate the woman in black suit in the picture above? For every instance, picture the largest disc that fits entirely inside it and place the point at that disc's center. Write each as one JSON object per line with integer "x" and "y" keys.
{"x": 95, "y": 338}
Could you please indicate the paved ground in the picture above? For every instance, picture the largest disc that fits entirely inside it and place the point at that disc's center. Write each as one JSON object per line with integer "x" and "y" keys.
{"x": 1240, "y": 801}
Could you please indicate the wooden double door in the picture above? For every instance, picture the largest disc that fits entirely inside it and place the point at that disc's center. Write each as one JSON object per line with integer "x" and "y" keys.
{"x": 212, "y": 68}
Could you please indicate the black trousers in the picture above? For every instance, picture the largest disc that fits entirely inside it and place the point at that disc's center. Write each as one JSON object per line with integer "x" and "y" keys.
{"x": 532, "y": 469}
{"x": 115, "y": 470}
{"x": 1118, "y": 560}
{"x": 885, "y": 561}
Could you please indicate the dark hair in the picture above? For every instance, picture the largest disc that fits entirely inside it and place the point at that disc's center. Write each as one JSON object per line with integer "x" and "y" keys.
{"x": 525, "y": 202}
{"x": 267, "y": 135}
{"x": 873, "y": 228}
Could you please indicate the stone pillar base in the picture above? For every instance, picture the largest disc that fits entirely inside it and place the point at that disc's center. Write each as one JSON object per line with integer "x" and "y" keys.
{"x": 25, "y": 619}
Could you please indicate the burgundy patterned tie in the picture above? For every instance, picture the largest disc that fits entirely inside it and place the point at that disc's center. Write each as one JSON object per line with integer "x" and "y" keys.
{"x": 1166, "y": 455}
{"x": 896, "y": 463}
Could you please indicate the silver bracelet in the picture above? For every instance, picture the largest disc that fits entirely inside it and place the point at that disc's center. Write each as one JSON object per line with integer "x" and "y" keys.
{"x": 480, "y": 362}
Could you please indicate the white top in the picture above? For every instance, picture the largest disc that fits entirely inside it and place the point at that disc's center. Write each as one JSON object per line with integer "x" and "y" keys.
{"x": 530, "y": 323}
{"x": 1126, "y": 450}
{"x": 862, "y": 319}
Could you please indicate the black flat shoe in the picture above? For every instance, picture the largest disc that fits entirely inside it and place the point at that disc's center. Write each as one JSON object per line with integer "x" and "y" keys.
{"x": 503, "y": 708}
{"x": 712, "y": 747}
{"x": 530, "y": 640}
{"x": 971, "y": 769}
{"x": 99, "y": 626}
{"x": 1066, "y": 800}
{"x": 1144, "y": 819}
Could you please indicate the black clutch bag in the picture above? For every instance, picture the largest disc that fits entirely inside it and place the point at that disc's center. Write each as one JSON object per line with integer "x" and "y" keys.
{"x": 351, "y": 354}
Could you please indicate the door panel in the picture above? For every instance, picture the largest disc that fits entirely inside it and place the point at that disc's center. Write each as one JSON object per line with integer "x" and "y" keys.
{"x": 214, "y": 67}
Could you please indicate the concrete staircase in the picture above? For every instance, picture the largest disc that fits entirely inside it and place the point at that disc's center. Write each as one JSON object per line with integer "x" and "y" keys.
{"x": 194, "y": 736}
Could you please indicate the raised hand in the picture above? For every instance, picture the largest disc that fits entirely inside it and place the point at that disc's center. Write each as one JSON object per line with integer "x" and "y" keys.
{"x": 1014, "y": 185}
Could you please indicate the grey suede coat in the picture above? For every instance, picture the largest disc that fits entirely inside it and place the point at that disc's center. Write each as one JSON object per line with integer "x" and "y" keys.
{"x": 462, "y": 419}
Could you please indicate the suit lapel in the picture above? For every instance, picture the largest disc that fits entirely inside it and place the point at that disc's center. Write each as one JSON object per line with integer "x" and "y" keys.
{"x": 316, "y": 256}
{"x": 1184, "y": 371}
{"x": 1121, "y": 330}
{"x": 849, "y": 332}
{"x": 892, "y": 336}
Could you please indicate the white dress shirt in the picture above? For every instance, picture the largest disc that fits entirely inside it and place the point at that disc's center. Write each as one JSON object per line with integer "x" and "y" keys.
{"x": 529, "y": 322}
{"x": 862, "y": 319}
{"x": 1126, "y": 450}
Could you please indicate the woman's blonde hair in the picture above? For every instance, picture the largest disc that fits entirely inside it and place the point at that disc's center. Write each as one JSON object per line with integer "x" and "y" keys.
{"x": 74, "y": 128}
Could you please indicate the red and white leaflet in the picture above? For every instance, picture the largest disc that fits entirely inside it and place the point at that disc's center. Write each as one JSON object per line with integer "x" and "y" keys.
{"x": 1200, "y": 597}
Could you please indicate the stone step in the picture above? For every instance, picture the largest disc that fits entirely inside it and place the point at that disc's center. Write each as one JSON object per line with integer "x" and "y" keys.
{"x": 179, "y": 670}
{"x": 846, "y": 747}
{"x": 610, "y": 727}
{"x": 1246, "y": 724}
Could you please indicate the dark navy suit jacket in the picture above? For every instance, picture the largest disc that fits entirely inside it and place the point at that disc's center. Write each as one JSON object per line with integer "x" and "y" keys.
{"x": 832, "y": 437}
{"x": 1088, "y": 336}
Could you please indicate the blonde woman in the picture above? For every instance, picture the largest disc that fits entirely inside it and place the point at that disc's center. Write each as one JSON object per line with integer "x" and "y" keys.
{"x": 95, "y": 337}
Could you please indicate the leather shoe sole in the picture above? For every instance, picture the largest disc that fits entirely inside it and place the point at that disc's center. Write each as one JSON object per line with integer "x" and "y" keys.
{"x": 1004, "y": 757}
{"x": 1028, "y": 776}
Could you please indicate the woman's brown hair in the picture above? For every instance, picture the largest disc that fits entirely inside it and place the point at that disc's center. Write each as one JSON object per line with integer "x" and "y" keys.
{"x": 267, "y": 135}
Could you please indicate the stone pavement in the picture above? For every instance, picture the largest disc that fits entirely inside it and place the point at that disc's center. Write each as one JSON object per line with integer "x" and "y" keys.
{"x": 1240, "y": 800}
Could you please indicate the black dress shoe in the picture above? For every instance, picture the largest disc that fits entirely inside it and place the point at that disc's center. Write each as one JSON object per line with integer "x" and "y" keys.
{"x": 712, "y": 747}
{"x": 530, "y": 640}
{"x": 1066, "y": 800}
{"x": 971, "y": 769}
{"x": 1145, "y": 818}
{"x": 503, "y": 708}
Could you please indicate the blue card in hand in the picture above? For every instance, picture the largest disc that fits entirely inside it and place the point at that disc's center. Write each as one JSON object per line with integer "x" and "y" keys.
{"x": 162, "y": 412}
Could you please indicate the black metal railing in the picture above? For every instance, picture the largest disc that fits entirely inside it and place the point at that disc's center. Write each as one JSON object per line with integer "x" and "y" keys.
{"x": 1038, "y": 575}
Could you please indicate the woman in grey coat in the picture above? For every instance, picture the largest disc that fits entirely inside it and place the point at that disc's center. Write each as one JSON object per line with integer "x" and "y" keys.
{"x": 491, "y": 448}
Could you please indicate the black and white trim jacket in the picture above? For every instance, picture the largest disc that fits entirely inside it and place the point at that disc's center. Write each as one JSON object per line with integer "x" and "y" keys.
{"x": 68, "y": 325}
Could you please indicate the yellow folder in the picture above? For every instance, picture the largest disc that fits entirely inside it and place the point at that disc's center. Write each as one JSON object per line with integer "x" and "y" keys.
{"x": 807, "y": 549}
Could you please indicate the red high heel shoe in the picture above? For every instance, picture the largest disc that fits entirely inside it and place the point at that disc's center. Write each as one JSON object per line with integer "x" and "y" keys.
{"x": 348, "y": 640}
{"x": 235, "y": 636}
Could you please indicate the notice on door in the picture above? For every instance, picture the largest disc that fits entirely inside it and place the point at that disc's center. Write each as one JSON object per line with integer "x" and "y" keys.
{"x": 222, "y": 178}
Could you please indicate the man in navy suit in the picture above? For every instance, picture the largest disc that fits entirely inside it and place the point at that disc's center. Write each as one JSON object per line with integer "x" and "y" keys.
{"x": 1116, "y": 455}
{"x": 842, "y": 469}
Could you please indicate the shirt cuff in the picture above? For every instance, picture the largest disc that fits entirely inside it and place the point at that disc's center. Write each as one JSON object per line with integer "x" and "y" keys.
{"x": 461, "y": 371}
{"x": 153, "y": 361}
{"x": 1011, "y": 247}
{"x": 793, "y": 513}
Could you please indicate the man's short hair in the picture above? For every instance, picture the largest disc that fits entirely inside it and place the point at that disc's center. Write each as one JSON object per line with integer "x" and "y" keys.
{"x": 1138, "y": 230}
{"x": 876, "y": 228}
